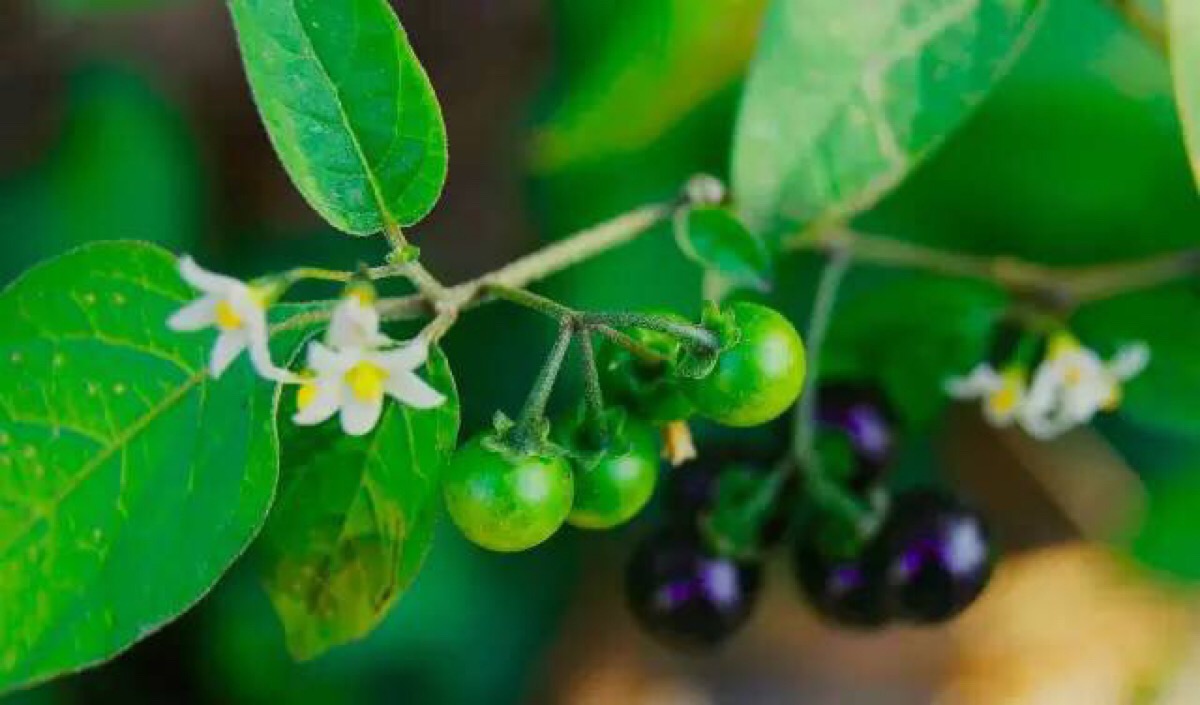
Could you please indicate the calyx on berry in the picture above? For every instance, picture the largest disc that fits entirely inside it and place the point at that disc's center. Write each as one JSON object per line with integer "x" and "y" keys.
{"x": 615, "y": 464}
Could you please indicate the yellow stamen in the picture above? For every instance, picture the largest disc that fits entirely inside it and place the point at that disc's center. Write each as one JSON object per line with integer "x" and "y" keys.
{"x": 1062, "y": 343}
{"x": 306, "y": 395}
{"x": 1115, "y": 396}
{"x": 227, "y": 316}
{"x": 1073, "y": 376}
{"x": 364, "y": 293}
{"x": 366, "y": 381}
{"x": 1006, "y": 399}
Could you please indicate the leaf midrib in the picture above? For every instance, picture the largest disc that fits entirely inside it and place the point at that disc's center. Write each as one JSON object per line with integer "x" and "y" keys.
{"x": 368, "y": 171}
{"x": 118, "y": 442}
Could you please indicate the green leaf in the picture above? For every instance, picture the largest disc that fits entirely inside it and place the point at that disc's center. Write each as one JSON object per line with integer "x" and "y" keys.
{"x": 844, "y": 98}
{"x": 1183, "y": 21}
{"x": 129, "y": 480}
{"x": 347, "y": 106}
{"x": 657, "y": 63}
{"x": 715, "y": 239}
{"x": 355, "y": 518}
{"x": 1165, "y": 395}
{"x": 946, "y": 329}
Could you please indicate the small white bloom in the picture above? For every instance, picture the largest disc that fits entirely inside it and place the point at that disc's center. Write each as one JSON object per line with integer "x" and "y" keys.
{"x": 355, "y": 322}
{"x": 354, "y": 382}
{"x": 1002, "y": 392}
{"x": 1073, "y": 384}
{"x": 239, "y": 313}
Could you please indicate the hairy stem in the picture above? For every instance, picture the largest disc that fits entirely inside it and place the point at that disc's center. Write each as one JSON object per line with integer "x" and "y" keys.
{"x": 1063, "y": 288}
{"x": 643, "y": 352}
{"x": 530, "y": 300}
{"x": 597, "y": 424}
{"x": 695, "y": 335}
{"x": 518, "y": 274}
{"x": 526, "y": 433}
{"x": 427, "y": 285}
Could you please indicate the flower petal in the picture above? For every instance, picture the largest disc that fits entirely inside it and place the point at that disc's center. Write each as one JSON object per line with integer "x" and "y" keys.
{"x": 408, "y": 357}
{"x": 359, "y": 417}
{"x": 198, "y": 314}
{"x": 1130, "y": 361}
{"x": 247, "y": 305}
{"x": 410, "y": 389}
{"x": 1045, "y": 391}
{"x": 979, "y": 382}
{"x": 260, "y": 356}
{"x": 204, "y": 280}
{"x": 1042, "y": 426}
{"x": 326, "y": 361}
{"x": 1080, "y": 403}
{"x": 323, "y": 405}
{"x": 355, "y": 324}
{"x": 229, "y": 345}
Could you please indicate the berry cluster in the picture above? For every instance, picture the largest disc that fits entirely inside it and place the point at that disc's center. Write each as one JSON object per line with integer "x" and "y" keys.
{"x": 512, "y": 488}
{"x": 921, "y": 557}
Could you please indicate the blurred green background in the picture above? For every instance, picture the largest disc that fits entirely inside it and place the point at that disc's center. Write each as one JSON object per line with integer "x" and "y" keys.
{"x": 130, "y": 119}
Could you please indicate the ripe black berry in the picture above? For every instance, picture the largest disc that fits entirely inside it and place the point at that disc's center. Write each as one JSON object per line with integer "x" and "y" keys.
{"x": 845, "y": 592}
{"x": 685, "y": 596}
{"x": 859, "y": 419}
{"x": 938, "y": 557}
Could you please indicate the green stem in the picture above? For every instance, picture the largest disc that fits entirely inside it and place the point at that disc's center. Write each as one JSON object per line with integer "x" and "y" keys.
{"x": 526, "y": 434}
{"x": 318, "y": 274}
{"x": 427, "y": 284}
{"x": 597, "y": 423}
{"x": 530, "y": 300}
{"x": 1062, "y": 287}
{"x": 804, "y": 433}
{"x": 643, "y": 352}
{"x": 695, "y": 335}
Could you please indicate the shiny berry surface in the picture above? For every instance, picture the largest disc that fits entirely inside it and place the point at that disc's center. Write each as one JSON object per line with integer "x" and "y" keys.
{"x": 615, "y": 483}
{"x": 505, "y": 500}
{"x": 938, "y": 557}
{"x": 844, "y": 592}
{"x": 686, "y": 597}
{"x": 757, "y": 378}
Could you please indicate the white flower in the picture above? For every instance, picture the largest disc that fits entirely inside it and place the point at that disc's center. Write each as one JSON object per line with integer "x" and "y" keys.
{"x": 357, "y": 367}
{"x": 355, "y": 322}
{"x": 354, "y": 381}
{"x": 1003, "y": 392}
{"x": 237, "y": 310}
{"x": 1073, "y": 384}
